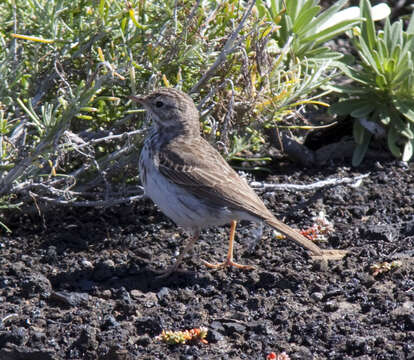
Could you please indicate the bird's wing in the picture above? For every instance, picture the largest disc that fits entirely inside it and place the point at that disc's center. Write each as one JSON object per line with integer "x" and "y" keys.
{"x": 200, "y": 168}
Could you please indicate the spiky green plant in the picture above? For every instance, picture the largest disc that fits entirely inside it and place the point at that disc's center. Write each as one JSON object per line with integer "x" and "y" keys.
{"x": 383, "y": 94}
{"x": 308, "y": 27}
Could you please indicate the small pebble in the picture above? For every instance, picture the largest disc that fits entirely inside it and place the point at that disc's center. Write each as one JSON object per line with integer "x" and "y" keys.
{"x": 318, "y": 296}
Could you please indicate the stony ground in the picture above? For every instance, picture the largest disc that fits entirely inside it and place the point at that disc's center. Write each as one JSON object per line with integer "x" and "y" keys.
{"x": 82, "y": 284}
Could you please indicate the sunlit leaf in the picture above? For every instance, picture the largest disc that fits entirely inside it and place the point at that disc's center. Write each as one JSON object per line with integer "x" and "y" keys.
{"x": 408, "y": 151}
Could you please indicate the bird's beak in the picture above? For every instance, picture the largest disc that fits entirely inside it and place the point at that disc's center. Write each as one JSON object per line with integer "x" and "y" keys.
{"x": 138, "y": 99}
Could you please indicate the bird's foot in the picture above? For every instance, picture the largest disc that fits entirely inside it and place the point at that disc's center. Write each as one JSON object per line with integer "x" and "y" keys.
{"x": 227, "y": 263}
{"x": 330, "y": 254}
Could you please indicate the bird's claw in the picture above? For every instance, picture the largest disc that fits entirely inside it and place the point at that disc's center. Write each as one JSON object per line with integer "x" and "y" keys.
{"x": 226, "y": 264}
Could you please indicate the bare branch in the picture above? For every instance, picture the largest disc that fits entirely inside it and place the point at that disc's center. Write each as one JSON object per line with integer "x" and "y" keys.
{"x": 108, "y": 138}
{"x": 355, "y": 181}
{"x": 90, "y": 203}
{"x": 68, "y": 197}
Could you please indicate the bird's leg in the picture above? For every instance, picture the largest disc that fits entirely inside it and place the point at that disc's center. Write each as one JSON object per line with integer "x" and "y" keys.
{"x": 229, "y": 260}
{"x": 180, "y": 258}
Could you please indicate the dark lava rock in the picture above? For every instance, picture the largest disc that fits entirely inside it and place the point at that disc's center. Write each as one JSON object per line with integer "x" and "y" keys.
{"x": 106, "y": 302}
{"x": 25, "y": 354}
{"x": 36, "y": 284}
{"x": 148, "y": 325}
{"x": 214, "y": 336}
{"x": 17, "y": 336}
{"x": 69, "y": 298}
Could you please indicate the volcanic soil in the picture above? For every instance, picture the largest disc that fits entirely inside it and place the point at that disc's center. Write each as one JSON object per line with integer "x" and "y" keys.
{"x": 82, "y": 283}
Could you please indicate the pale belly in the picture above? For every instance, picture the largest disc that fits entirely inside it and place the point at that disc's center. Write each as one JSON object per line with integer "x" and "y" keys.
{"x": 180, "y": 206}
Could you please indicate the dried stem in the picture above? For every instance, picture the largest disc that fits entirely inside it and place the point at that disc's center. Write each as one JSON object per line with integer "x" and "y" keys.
{"x": 229, "y": 47}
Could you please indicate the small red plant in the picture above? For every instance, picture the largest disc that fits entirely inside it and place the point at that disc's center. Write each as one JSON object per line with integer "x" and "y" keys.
{"x": 274, "y": 356}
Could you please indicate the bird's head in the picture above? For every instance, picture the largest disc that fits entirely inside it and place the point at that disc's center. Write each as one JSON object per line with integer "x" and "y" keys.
{"x": 171, "y": 109}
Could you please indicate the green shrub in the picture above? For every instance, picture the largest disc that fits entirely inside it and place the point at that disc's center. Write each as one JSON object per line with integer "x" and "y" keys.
{"x": 383, "y": 96}
{"x": 307, "y": 27}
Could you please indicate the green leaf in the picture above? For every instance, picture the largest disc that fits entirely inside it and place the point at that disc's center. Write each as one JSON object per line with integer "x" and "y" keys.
{"x": 405, "y": 107}
{"x": 382, "y": 49}
{"x": 396, "y": 53}
{"x": 406, "y": 51}
{"x": 384, "y": 116}
{"x": 275, "y": 7}
{"x": 363, "y": 110}
{"x": 366, "y": 55}
{"x": 410, "y": 27}
{"x": 362, "y": 77}
{"x": 304, "y": 18}
{"x": 101, "y": 8}
{"x": 362, "y": 138}
{"x": 367, "y": 27}
{"x": 379, "y": 61}
{"x": 397, "y": 121}
{"x": 325, "y": 16}
{"x": 396, "y": 35}
{"x": 392, "y": 142}
{"x": 359, "y": 132}
{"x": 289, "y": 24}
{"x": 266, "y": 31}
{"x": 323, "y": 54}
{"x": 359, "y": 153}
{"x": 293, "y": 8}
{"x": 346, "y": 107}
{"x": 381, "y": 81}
{"x": 332, "y": 31}
{"x": 348, "y": 90}
{"x": 401, "y": 76}
{"x": 387, "y": 34}
{"x": 408, "y": 151}
{"x": 263, "y": 10}
{"x": 407, "y": 133}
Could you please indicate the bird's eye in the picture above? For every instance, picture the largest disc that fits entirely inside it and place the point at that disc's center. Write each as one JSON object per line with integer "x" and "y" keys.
{"x": 159, "y": 104}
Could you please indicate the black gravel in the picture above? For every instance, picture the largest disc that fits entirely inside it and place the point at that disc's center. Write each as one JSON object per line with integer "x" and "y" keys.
{"x": 82, "y": 283}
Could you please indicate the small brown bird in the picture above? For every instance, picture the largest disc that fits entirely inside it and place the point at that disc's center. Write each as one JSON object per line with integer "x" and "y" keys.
{"x": 192, "y": 183}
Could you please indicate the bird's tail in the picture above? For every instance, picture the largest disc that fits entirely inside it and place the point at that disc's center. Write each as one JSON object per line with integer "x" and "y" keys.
{"x": 317, "y": 252}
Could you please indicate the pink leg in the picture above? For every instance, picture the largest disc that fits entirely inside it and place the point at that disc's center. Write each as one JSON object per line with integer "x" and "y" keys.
{"x": 229, "y": 260}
